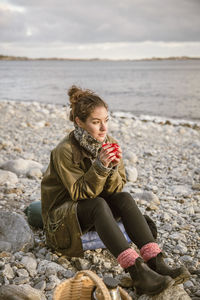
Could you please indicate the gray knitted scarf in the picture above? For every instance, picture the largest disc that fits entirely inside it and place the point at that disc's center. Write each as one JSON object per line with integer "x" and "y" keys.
{"x": 87, "y": 141}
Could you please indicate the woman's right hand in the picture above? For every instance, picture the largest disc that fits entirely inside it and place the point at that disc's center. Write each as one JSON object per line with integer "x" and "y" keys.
{"x": 106, "y": 155}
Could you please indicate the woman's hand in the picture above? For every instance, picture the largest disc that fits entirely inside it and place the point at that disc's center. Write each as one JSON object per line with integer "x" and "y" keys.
{"x": 116, "y": 161}
{"x": 107, "y": 156}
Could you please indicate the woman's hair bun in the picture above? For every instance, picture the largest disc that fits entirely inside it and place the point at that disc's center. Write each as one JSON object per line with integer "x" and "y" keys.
{"x": 74, "y": 89}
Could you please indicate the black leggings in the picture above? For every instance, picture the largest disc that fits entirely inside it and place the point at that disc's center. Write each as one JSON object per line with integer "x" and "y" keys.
{"x": 102, "y": 213}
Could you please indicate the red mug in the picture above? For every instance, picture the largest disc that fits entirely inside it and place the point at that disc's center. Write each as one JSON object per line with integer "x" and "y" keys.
{"x": 111, "y": 145}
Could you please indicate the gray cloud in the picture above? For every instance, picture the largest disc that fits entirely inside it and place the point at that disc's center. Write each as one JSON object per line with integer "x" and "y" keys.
{"x": 90, "y": 21}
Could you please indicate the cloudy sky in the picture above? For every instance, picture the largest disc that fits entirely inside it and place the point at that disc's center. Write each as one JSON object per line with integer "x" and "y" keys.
{"x": 116, "y": 29}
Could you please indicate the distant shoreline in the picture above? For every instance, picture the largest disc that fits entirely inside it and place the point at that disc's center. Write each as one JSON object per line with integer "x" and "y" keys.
{"x": 24, "y": 58}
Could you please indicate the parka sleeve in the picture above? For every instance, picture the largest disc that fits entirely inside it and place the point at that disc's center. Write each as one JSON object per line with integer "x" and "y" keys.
{"x": 79, "y": 184}
{"x": 116, "y": 180}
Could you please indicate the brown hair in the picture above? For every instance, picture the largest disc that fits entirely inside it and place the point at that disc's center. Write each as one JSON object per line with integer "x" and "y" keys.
{"x": 83, "y": 103}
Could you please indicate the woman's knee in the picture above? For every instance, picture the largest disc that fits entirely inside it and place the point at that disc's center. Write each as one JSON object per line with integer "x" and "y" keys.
{"x": 123, "y": 196}
{"x": 127, "y": 197}
{"x": 124, "y": 199}
{"x": 100, "y": 204}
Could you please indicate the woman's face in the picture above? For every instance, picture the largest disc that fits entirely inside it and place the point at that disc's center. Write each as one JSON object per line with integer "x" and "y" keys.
{"x": 96, "y": 124}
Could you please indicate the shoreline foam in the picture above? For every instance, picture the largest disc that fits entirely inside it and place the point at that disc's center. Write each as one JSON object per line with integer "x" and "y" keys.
{"x": 158, "y": 119}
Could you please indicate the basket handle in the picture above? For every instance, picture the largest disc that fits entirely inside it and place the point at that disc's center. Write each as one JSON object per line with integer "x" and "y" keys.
{"x": 97, "y": 280}
{"x": 124, "y": 294}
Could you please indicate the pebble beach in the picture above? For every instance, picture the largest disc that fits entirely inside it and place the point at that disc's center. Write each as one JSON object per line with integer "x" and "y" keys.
{"x": 162, "y": 160}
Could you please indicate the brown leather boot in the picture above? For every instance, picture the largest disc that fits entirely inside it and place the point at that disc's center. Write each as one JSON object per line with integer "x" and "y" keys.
{"x": 180, "y": 274}
{"x": 146, "y": 281}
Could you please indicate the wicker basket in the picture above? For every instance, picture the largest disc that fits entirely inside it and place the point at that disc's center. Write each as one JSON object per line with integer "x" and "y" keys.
{"x": 80, "y": 287}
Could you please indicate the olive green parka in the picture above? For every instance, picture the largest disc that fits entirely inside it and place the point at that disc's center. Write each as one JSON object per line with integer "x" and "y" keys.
{"x": 71, "y": 177}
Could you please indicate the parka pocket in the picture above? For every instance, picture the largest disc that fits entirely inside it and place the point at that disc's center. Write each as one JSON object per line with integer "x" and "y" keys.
{"x": 58, "y": 233}
{"x": 61, "y": 236}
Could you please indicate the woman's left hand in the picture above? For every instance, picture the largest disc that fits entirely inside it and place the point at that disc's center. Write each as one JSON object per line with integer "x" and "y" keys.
{"x": 116, "y": 160}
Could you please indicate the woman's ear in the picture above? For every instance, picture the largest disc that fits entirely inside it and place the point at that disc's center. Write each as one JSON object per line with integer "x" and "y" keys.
{"x": 78, "y": 121}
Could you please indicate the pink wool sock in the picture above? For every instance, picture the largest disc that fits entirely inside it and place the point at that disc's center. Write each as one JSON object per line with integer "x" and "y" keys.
{"x": 127, "y": 258}
{"x": 149, "y": 251}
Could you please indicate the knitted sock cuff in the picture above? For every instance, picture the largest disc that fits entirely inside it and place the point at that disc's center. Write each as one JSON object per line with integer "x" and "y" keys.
{"x": 149, "y": 251}
{"x": 127, "y": 258}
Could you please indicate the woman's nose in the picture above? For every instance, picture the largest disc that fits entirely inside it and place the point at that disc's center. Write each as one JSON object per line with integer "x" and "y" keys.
{"x": 103, "y": 127}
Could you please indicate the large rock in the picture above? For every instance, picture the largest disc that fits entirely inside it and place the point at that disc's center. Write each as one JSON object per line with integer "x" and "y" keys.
{"x": 132, "y": 174}
{"x": 23, "y": 292}
{"x": 21, "y": 166}
{"x": 15, "y": 234}
{"x": 6, "y": 176}
{"x": 147, "y": 196}
{"x": 150, "y": 200}
{"x": 175, "y": 292}
{"x": 50, "y": 268}
{"x": 180, "y": 189}
{"x": 130, "y": 158}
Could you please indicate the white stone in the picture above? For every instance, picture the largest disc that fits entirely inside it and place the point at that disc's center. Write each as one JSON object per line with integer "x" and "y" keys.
{"x": 50, "y": 286}
{"x": 6, "y": 144}
{"x": 188, "y": 284}
{"x": 35, "y": 172}
{"x": 21, "y": 166}
{"x": 180, "y": 189}
{"x": 189, "y": 210}
{"x": 132, "y": 174}
{"x": 40, "y": 124}
{"x": 22, "y": 272}
{"x": 186, "y": 258}
{"x": 8, "y": 272}
{"x": 30, "y": 264}
{"x": 148, "y": 196}
{"x": 182, "y": 249}
{"x": 54, "y": 278}
{"x": 40, "y": 285}
{"x": 44, "y": 111}
{"x": 24, "y": 291}
{"x": 172, "y": 293}
{"x": 49, "y": 268}
{"x": 178, "y": 236}
{"x": 165, "y": 216}
{"x": 154, "y": 187}
{"x": 7, "y": 177}
{"x": 131, "y": 157}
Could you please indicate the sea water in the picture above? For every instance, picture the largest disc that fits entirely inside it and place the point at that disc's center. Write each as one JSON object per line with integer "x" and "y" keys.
{"x": 167, "y": 88}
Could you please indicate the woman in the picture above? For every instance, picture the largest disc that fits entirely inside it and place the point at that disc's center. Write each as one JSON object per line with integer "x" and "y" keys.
{"x": 82, "y": 188}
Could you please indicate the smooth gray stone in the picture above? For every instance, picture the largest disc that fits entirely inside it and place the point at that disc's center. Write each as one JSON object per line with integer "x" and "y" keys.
{"x": 15, "y": 231}
{"x": 41, "y": 285}
{"x": 30, "y": 264}
{"x": 34, "y": 173}
{"x": 175, "y": 292}
{"x": 50, "y": 268}
{"x": 21, "y": 280}
{"x": 132, "y": 174}
{"x": 147, "y": 196}
{"x": 5, "y": 246}
{"x": 7, "y": 272}
{"x": 21, "y": 166}
{"x": 82, "y": 264}
{"x": 7, "y": 176}
{"x": 22, "y": 272}
{"x": 23, "y": 292}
